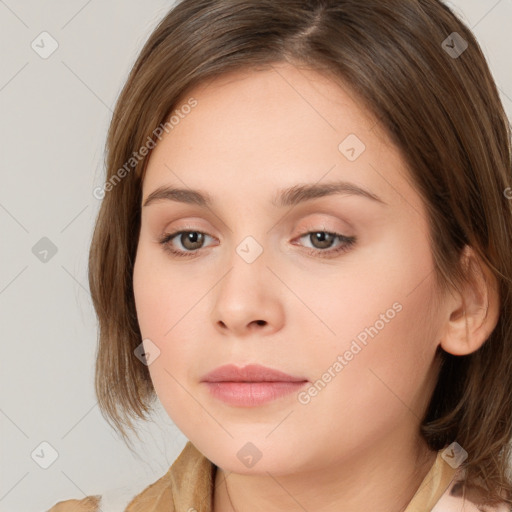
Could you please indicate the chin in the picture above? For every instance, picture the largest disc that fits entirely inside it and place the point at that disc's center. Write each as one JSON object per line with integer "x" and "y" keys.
{"x": 249, "y": 454}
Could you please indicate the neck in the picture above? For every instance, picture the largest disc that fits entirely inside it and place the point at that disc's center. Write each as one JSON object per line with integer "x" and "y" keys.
{"x": 380, "y": 479}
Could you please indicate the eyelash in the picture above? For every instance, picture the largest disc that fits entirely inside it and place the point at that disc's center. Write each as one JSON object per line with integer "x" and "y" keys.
{"x": 348, "y": 243}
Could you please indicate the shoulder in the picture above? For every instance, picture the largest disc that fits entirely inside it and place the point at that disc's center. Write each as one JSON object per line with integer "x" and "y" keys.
{"x": 113, "y": 500}
{"x": 88, "y": 504}
{"x": 188, "y": 484}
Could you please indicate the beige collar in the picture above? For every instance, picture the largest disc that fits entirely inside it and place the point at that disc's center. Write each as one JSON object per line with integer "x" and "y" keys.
{"x": 188, "y": 485}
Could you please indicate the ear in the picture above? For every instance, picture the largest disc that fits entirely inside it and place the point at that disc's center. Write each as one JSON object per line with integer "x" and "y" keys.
{"x": 471, "y": 313}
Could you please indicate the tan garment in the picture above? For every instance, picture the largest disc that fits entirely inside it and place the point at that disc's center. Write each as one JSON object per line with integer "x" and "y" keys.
{"x": 188, "y": 487}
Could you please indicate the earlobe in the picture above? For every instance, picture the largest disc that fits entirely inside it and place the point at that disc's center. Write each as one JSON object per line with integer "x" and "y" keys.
{"x": 471, "y": 313}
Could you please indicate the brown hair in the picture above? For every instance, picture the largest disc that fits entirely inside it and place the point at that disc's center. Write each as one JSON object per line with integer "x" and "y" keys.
{"x": 444, "y": 113}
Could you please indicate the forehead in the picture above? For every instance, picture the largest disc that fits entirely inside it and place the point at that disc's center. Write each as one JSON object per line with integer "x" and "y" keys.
{"x": 260, "y": 130}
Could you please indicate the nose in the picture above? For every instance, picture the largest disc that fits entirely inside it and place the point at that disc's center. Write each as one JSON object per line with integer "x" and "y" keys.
{"x": 248, "y": 299}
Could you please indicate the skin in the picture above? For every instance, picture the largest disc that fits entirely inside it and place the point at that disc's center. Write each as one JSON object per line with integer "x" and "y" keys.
{"x": 355, "y": 445}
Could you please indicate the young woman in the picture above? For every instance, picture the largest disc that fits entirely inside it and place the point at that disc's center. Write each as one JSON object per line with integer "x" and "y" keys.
{"x": 303, "y": 251}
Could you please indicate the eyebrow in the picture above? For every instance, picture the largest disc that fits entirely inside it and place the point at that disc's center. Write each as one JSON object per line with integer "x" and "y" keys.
{"x": 286, "y": 197}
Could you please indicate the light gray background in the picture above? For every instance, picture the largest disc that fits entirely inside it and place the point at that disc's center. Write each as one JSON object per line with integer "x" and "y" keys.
{"x": 54, "y": 117}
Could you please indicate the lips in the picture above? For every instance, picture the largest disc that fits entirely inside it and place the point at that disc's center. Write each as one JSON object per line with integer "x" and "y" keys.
{"x": 249, "y": 373}
{"x": 251, "y": 386}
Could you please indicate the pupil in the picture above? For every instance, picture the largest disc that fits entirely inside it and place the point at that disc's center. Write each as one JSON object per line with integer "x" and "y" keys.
{"x": 325, "y": 239}
{"x": 192, "y": 238}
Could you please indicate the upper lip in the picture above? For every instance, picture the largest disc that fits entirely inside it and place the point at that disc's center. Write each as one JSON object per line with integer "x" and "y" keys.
{"x": 249, "y": 373}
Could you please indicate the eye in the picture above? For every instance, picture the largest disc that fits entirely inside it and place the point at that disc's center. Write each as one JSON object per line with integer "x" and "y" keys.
{"x": 192, "y": 241}
{"x": 324, "y": 240}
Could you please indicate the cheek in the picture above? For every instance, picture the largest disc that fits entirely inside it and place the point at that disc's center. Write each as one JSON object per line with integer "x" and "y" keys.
{"x": 163, "y": 293}
{"x": 379, "y": 383}
{"x": 159, "y": 310}
{"x": 380, "y": 324}
{"x": 380, "y": 292}
{"x": 168, "y": 308}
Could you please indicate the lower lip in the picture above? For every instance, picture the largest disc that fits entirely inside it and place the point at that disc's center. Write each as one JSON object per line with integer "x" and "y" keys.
{"x": 251, "y": 394}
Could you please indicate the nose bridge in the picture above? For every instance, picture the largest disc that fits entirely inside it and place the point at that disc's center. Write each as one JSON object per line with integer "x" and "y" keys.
{"x": 246, "y": 296}
{"x": 248, "y": 270}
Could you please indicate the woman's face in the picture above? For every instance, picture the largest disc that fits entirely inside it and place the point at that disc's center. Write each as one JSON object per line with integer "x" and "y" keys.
{"x": 264, "y": 281}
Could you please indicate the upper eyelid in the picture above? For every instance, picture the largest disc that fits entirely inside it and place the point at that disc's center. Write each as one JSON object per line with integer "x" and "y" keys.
{"x": 315, "y": 225}
{"x": 303, "y": 232}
